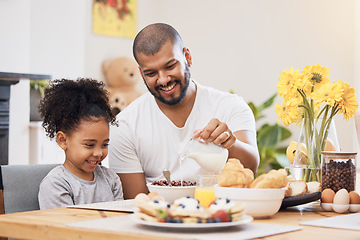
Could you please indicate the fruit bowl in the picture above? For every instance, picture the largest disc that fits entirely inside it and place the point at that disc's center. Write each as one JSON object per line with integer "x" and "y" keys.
{"x": 259, "y": 202}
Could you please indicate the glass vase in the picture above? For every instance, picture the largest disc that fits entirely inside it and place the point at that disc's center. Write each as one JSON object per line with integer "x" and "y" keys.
{"x": 316, "y": 135}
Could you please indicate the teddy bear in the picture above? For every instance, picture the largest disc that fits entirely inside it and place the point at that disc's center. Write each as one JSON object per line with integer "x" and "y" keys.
{"x": 121, "y": 78}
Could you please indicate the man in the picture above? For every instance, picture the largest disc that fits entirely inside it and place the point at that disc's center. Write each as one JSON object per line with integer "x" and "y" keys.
{"x": 154, "y": 129}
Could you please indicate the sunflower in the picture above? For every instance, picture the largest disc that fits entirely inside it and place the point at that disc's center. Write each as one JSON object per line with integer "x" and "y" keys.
{"x": 348, "y": 103}
{"x": 287, "y": 84}
{"x": 328, "y": 94}
{"x": 287, "y": 112}
{"x": 316, "y": 76}
{"x": 311, "y": 98}
{"x": 310, "y": 94}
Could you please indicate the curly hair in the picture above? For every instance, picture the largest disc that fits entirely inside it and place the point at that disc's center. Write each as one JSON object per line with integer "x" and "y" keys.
{"x": 67, "y": 102}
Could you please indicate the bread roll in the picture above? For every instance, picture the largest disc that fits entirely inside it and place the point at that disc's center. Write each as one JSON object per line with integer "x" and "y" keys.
{"x": 272, "y": 179}
{"x": 296, "y": 188}
{"x": 235, "y": 175}
{"x": 313, "y": 187}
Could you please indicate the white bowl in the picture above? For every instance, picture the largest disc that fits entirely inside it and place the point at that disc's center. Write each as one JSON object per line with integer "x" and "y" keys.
{"x": 339, "y": 208}
{"x": 172, "y": 193}
{"x": 259, "y": 203}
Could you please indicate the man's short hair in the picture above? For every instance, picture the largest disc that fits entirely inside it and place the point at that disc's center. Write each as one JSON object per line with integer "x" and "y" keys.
{"x": 151, "y": 39}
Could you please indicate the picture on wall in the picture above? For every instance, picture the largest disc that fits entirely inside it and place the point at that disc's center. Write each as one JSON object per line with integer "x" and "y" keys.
{"x": 116, "y": 18}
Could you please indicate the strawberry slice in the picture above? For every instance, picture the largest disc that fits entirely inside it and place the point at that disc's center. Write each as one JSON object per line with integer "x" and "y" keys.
{"x": 212, "y": 202}
{"x": 221, "y": 216}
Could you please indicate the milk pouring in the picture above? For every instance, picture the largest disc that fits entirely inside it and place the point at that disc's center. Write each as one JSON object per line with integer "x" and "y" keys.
{"x": 209, "y": 156}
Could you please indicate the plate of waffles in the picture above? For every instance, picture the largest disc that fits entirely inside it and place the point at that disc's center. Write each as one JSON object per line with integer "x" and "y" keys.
{"x": 244, "y": 220}
{"x": 186, "y": 212}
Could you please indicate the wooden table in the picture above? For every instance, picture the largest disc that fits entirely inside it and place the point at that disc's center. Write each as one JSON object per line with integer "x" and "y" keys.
{"x": 51, "y": 224}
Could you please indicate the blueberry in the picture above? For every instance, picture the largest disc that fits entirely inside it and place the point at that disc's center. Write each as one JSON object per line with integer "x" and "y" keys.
{"x": 227, "y": 200}
{"x": 168, "y": 205}
{"x": 210, "y": 220}
{"x": 188, "y": 197}
{"x": 199, "y": 221}
{"x": 156, "y": 201}
{"x": 217, "y": 220}
{"x": 178, "y": 221}
{"x": 181, "y": 205}
{"x": 168, "y": 219}
{"x": 198, "y": 207}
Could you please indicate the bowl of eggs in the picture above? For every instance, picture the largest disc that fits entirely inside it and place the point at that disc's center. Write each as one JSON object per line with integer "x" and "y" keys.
{"x": 342, "y": 201}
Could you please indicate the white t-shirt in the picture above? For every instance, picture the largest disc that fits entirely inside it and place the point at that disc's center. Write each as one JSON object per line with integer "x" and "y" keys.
{"x": 147, "y": 141}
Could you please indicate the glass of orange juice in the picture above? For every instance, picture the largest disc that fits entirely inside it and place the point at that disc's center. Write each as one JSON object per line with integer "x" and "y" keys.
{"x": 204, "y": 191}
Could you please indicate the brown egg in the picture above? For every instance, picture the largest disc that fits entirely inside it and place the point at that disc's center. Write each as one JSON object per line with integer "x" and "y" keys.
{"x": 354, "y": 197}
{"x": 327, "y": 195}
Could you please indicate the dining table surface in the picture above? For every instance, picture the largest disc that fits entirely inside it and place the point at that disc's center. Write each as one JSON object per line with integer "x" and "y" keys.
{"x": 53, "y": 224}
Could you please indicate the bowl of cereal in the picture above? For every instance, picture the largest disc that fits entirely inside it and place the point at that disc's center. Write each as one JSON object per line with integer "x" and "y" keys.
{"x": 173, "y": 192}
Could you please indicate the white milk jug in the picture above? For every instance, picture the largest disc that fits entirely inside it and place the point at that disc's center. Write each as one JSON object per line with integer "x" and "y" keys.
{"x": 209, "y": 156}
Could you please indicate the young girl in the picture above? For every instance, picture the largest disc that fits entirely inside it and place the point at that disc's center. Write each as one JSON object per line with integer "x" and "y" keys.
{"x": 78, "y": 114}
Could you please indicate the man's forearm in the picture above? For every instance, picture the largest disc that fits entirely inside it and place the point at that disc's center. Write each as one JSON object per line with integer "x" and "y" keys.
{"x": 246, "y": 153}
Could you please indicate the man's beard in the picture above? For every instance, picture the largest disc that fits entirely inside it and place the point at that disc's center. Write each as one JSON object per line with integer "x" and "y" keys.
{"x": 183, "y": 89}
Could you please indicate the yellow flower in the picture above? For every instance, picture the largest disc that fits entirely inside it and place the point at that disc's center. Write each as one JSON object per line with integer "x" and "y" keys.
{"x": 309, "y": 97}
{"x": 316, "y": 76}
{"x": 287, "y": 112}
{"x": 287, "y": 82}
{"x": 310, "y": 94}
{"x": 300, "y": 116}
{"x": 305, "y": 85}
{"x": 328, "y": 94}
{"x": 348, "y": 103}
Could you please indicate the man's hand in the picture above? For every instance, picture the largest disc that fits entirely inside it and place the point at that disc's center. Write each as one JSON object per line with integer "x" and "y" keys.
{"x": 242, "y": 144}
{"x": 218, "y": 133}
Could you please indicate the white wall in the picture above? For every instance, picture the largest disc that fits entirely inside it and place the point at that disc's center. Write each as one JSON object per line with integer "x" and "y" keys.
{"x": 57, "y": 38}
{"x": 239, "y": 45}
{"x": 244, "y": 45}
{"x": 356, "y": 139}
{"x": 15, "y": 54}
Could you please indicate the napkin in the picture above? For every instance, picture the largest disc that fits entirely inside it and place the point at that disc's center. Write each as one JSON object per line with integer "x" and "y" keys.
{"x": 126, "y": 224}
{"x": 349, "y": 221}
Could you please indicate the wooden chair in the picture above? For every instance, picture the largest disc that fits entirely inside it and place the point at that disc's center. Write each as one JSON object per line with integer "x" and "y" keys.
{"x": 19, "y": 186}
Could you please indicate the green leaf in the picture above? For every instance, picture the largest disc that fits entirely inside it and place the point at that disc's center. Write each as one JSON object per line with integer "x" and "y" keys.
{"x": 285, "y": 133}
{"x": 267, "y": 103}
{"x": 254, "y": 110}
{"x": 39, "y": 85}
{"x": 269, "y": 136}
{"x": 282, "y": 160}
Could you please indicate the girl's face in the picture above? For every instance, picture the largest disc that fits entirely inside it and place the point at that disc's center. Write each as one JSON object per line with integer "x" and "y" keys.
{"x": 85, "y": 147}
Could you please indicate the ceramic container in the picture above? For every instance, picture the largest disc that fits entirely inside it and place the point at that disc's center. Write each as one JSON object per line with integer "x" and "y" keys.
{"x": 259, "y": 203}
